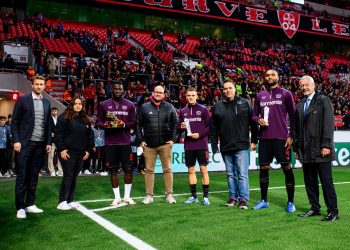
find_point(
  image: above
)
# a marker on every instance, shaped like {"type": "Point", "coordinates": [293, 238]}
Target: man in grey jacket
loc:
{"type": "Point", "coordinates": [314, 147]}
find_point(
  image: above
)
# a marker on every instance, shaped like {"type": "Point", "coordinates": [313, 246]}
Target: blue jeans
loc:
{"type": "Point", "coordinates": [237, 165]}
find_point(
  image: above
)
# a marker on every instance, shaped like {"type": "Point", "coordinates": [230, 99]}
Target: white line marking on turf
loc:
{"type": "Point", "coordinates": [117, 231]}
{"type": "Point", "coordinates": [109, 207]}
{"type": "Point", "coordinates": [211, 192]}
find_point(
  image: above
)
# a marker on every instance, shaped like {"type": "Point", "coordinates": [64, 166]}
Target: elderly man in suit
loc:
{"type": "Point", "coordinates": [31, 131]}
{"type": "Point", "coordinates": [314, 147]}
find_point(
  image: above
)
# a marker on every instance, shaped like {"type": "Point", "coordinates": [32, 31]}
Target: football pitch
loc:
{"type": "Point", "coordinates": [96, 225]}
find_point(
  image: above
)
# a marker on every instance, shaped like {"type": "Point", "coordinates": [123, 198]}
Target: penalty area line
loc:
{"type": "Point", "coordinates": [211, 192]}
{"type": "Point", "coordinates": [114, 229]}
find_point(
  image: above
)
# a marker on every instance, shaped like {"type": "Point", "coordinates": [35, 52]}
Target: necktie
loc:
{"type": "Point", "coordinates": [306, 106]}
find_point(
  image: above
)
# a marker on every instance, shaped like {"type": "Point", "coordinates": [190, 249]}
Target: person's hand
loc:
{"type": "Point", "coordinates": [17, 147]}
{"type": "Point", "coordinates": [214, 149]}
{"type": "Point", "coordinates": [262, 122]}
{"type": "Point", "coordinates": [87, 154]}
{"type": "Point", "coordinates": [194, 136]}
{"type": "Point", "coordinates": [48, 148]}
{"type": "Point", "coordinates": [143, 144]}
{"type": "Point", "coordinates": [296, 155]}
{"type": "Point", "coordinates": [325, 152]}
{"type": "Point", "coordinates": [289, 143]}
{"type": "Point", "coordinates": [252, 146]}
{"type": "Point", "coordinates": [94, 149]}
{"type": "Point", "coordinates": [170, 142]}
{"type": "Point", "coordinates": [183, 125]}
{"type": "Point", "coordinates": [64, 155]}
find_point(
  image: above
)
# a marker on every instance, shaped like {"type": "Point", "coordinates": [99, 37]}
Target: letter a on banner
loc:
{"type": "Point", "coordinates": [289, 22]}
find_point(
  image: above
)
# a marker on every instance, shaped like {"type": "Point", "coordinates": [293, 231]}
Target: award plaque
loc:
{"type": "Point", "coordinates": [266, 115]}
{"type": "Point", "coordinates": [188, 127]}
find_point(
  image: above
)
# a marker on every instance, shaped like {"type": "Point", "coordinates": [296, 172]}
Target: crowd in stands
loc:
{"type": "Point", "coordinates": [218, 59]}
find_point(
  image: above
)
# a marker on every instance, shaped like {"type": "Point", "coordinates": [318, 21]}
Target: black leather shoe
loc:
{"type": "Point", "coordinates": [331, 217]}
{"type": "Point", "coordinates": [310, 213]}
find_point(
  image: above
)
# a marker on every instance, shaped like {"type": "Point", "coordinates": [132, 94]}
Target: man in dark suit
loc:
{"type": "Point", "coordinates": [314, 147]}
{"type": "Point", "coordinates": [31, 131]}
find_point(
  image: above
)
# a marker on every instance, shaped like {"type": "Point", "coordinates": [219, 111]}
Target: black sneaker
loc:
{"type": "Point", "coordinates": [231, 202]}
{"type": "Point", "coordinates": [331, 217]}
{"type": "Point", "coordinates": [243, 204]}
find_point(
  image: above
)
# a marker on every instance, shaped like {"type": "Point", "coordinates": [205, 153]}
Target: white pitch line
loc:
{"type": "Point", "coordinates": [211, 192]}
{"type": "Point", "coordinates": [117, 231]}
{"type": "Point", "coordinates": [109, 207]}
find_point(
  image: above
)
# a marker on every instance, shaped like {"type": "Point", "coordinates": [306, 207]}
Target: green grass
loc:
{"type": "Point", "coordinates": [175, 226]}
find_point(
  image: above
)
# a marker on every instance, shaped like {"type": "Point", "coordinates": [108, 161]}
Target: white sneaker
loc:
{"type": "Point", "coordinates": [147, 200]}
{"type": "Point", "coordinates": [7, 175]}
{"type": "Point", "coordinates": [129, 201]}
{"type": "Point", "coordinates": [73, 205]}
{"type": "Point", "coordinates": [0, 174]}
{"type": "Point", "coordinates": [87, 172]}
{"type": "Point", "coordinates": [59, 174]}
{"type": "Point", "coordinates": [64, 206]}
{"type": "Point", "coordinates": [34, 209]}
{"type": "Point", "coordinates": [170, 199]}
{"type": "Point", "coordinates": [116, 202]}
{"type": "Point", "coordinates": [21, 214]}
{"type": "Point", "coordinates": [53, 174]}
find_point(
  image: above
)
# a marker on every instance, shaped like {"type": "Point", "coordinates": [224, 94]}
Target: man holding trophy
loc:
{"type": "Point", "coordinates": [272, 109]}
{"type": "Point", "coordinates": [194, 119]}
{"type": "Point", "coordinates": [117, 116]}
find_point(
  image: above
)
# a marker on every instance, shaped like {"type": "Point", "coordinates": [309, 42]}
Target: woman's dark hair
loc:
{"type": "Point", "coordinates": [70, 114]}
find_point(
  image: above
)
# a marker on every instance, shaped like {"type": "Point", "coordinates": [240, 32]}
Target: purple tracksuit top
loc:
{"type": "Point", "coordinates": [280, 103]}
{"type": "Point", "coordinates": [198, 116]}
{"type": "Point", "coordinates": [123, 110]}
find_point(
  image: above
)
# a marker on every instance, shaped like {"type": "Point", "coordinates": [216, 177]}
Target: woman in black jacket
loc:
{"type": "Point", "coordinates": [74, 141]}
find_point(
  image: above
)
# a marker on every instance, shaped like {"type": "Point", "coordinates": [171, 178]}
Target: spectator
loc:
{"type": "Point", "coordinates": [89, 95]}
{"type": "Point", "coordinates": [52, 63]}
{"type": "Point", "coordinates": [9, 63]}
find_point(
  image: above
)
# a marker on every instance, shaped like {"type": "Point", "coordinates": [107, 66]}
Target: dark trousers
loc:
{"type": "Point", "coordinates": [4, 160]}
{"type": "Point", "coordinates": [71, 169]}
{"type": "Point", "coordinates": [89, 105]}
{"type": "Point", "coordinates": [324, 171]}
{"type": "Point", "coordinates": [28, 164]}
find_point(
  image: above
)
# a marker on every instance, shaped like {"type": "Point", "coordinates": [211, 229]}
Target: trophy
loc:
{"type": "Point", "coordinates": [113, 121]}
{"type": "Point", "coordinates": [266, 115]}
{"type": "Point", "coordinates": [188, 127]}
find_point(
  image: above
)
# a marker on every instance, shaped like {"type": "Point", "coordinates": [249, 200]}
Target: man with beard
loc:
{"type": "Point", "coordinates": [272, 108]}
{"type": "Point", "coordinates": [117, 116]}
{"type": "Point", "coordinates": [31, 135]}
{"type": "Point", "coordinates": [156, 129]}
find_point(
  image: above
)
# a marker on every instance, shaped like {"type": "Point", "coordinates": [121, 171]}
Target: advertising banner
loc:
{"type": "Point", "coordinates": [290, 22]}
{"type": "Point", "coordinates": [342, 153]}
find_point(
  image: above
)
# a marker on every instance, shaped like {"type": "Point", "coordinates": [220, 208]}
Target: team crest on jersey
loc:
{"type": "Point", "coordinates": [110, 107]}
{"type": "Point", "coordinates": [150, 113]}
{"type": "Point", "coordinates": [263, 97]}
{"type": "Point", "coordinates": [124, 107]}
{"type": "Point", "coordinates": [278, 96]}
{"type": "Point", "coordinates": [185, 114]}
{"type": "Point", "coordinates": [199, 112]}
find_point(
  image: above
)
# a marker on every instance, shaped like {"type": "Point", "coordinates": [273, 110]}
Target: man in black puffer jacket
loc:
{"type": "Point", "coordinates": [157, 122]}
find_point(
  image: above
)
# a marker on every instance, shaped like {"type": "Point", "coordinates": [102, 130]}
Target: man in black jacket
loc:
{"type": "Point", "coordinates": [156, 127]}
{"type": "Point", "coordinates": [313, 146]}
{"type": "Point", "coordinates": [31, 135]}
{"type": "Point", "coordinates": [230, 122]}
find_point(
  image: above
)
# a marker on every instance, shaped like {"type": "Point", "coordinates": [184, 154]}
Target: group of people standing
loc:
{"type": "Point", "coordinates": [233, 128]}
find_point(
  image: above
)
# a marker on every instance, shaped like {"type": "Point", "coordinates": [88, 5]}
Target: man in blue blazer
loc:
{"type": "Point", "coordinates": [31, 131]}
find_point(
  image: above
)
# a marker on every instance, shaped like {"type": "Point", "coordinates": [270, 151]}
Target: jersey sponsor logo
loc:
{"type": "Point", "coordinates": [199, 112]}
{"type": "Point", "coordinates": [124, 107]}
{"type": "Point", "coordinates": [278, 96]}
{"type": "Point", "coordinates": [119, 112]}
{"type": "Point", "coordinates": [271, 103]}
{"type": "Point", "coordinates": [195, 119]}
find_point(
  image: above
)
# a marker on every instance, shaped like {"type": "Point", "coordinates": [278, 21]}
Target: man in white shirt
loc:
{"type": "Point", "coordinates": [51, 166]}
